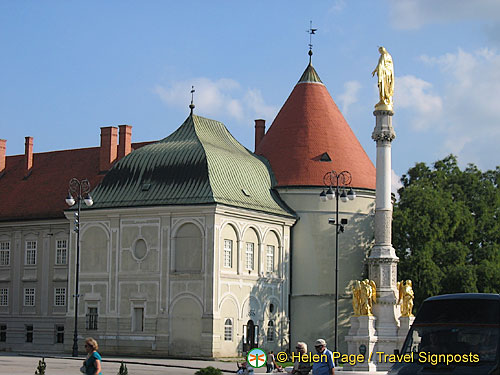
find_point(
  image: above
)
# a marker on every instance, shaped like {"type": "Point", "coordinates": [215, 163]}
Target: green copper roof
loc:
{"type": "Point", "coordinates": [309, 76]}
{"type": "Point", "coordinates": [199, 163]}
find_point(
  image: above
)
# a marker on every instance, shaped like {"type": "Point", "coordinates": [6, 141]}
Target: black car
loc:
{"type": "Point", "coordinates": [454, 334]}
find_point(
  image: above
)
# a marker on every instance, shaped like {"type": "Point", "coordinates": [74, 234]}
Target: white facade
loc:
{"type": "Point", "coordinates": [160, 280]}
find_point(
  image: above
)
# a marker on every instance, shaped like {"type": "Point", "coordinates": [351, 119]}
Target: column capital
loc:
{"type": "Point", "coordinates": [383, 127]}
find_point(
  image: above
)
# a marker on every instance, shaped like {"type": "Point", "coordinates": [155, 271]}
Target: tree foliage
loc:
{"type": "Point", "coordinates": [446, 229]}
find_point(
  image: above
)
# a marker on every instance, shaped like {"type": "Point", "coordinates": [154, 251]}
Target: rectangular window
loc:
{"type": "Point", "coordinates": [59, 334]}
{"type": "Point", "coordinates": [3, 333]}
{"type": "Point", "coordinates": [29, 333]}
{"type": "Point", "coordinates": [30, 253]}
{"type": "Point", "coordinates": [270, 259]}
{"type": "Point", "coordinates": [60, 296]}
{"type": "Point", "coordinates": [29, 296]}
{"type": "Point", "coordinates": [4, 253]}
{"type": "Point", "coordinates": [4, 297]}
{"type": "Point", "coordinates": [138, 325]}
{"type": "Point", "coordinates": [61, 252]}
{"type": "Point", "coordinates": [249, 256]}
{"type": "Point", "coordinates": [92, 319]}
{"type": "Point", "coordinates": [228, 253]}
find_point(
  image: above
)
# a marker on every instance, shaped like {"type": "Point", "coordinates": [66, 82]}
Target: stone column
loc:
{"type": "Point", "coordinates": [383, 260]}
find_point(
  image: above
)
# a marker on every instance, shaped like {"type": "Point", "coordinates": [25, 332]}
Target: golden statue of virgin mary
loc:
{"type": "Point", "coordinates": [385, 73]}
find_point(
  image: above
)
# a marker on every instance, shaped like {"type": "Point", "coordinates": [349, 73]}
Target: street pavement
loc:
{"type": "Point", "coordinates": [13, 364]}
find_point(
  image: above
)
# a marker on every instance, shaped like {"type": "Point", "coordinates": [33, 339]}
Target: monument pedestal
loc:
{"type": "Point", "coordinates": [362, 339]}
{"type": "Point", "coordinates": [405, 323]}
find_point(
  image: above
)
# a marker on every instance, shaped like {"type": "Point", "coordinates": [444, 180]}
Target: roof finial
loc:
{"type": "Point", "coordinates": [192, 98]}
{"type": "Point", "coordinates": [311, 31]}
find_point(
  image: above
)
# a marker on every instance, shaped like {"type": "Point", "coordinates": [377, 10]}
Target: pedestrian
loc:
{"type": "Point", "coordinates": [92, 364]}
{"type": "Point", "coordinates": [270, 361]}
{"type": "Point", "coordinates": [244, 368]}
{"type": "Point", "coordinates": [325, 365]}
{"type": "Point", "coordinates": [300, 366]}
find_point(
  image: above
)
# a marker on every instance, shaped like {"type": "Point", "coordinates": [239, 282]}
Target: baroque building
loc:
{"type": "Point", "coordinates": [195, 246]}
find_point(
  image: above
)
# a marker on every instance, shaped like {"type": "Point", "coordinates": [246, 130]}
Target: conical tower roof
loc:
{"type": "Point", "coordinates": [310, 137]}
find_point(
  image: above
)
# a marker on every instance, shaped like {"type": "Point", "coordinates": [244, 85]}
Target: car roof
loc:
{"type": "Point", "coordinates": [464, 296]}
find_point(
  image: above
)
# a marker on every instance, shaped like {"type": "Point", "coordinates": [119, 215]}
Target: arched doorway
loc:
{"type": "Point", "coordinates": [185, 328]}
{"type": "Point", "coordinates": [251, 336]}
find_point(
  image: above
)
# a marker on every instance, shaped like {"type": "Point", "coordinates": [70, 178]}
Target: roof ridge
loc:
{"type": "Point", "coordinates": [195, 129]}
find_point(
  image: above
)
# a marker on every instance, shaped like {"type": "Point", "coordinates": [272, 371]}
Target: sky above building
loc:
{"type": "Point", "coordinates": [69, 68]}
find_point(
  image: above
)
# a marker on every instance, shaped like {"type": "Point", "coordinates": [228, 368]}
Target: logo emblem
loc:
{"type": "Point", "coordinates": [256, 358]}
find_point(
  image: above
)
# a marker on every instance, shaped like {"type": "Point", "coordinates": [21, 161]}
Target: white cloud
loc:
{"type": "Point", "coordinates": [218, 98]}
{"type": "Point", "coordinates": [211, 97]}
{"type": "Point", "coordinates": [350, 95]}
{"type": "Point", "coordinates": [337, 6]}
{"type": "Point", "coordinates": [416, 94]}
{"type": "Point", "coordinates": [466, 112]}
{"type": "Point", "coordinates": [413, 14]}
{"type": "Point", "coordinates": [472, 97]}
{"type": "Point", "coordinates": [255, 102]}
{"type": "Point", "coordinates": [395, 183]}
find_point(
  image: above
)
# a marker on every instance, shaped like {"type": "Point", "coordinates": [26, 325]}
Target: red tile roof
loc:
{"type": "Point", "coordinates": [42, 194]}
{"type": "Point", "coordinates": [308, 125]}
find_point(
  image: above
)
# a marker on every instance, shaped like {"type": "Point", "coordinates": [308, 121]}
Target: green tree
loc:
{"type": "Point", "coordinates": [446, 229]}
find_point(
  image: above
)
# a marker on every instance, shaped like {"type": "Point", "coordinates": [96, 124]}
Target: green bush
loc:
{"type": "Point", "coordinates": [208, 371]}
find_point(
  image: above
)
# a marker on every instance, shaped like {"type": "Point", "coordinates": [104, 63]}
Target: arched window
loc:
{"type": "Point", "coordinates": [270, 331]}
{"type": "Point", "coordinates": [188, 249]}
{"type": "Point", "coordinates": [228, 330]}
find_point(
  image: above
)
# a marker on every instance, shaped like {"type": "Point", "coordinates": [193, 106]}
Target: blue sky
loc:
{"type": "Point", "coordinates": [70, 67]}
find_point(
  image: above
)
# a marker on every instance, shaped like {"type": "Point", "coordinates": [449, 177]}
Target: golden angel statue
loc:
{"type": "Point", "coordinates": [356, 300]}
{"type": "Point", "coordinates": [367, 296]}
{"type": "Point", "coordinates": [406, 296]}
{"type": "Point", "coordinates": [385, 73]}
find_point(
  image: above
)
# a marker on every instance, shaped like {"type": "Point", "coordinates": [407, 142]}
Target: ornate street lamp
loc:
{"type": "Point", "coordinates": [336, 185]}
{"type": "Point", "coordinates": [80, 189]}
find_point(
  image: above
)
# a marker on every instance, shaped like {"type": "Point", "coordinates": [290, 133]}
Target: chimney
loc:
{"type": "Point", "coordinates": [125, 146]}
{"type": "Point", "coordinates": [260, 131]}
{"type": "Point", "coordinates": [107, 156]}
{"type": "Point", "coordinates": [28, 156]}
{"type": "Point", "coordinates": [2, 155]}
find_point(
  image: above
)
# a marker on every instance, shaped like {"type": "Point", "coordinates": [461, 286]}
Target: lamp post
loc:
{"type": "Point", "coordinates": [81, 190]}
{"type": "Point", "coordinates": [335, 183]}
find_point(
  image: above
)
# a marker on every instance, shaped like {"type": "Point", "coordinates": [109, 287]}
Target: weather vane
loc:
{"type": "Point", "coordinates": [191, 106]}
{"type": "Point", "coordinates": [311, 31]}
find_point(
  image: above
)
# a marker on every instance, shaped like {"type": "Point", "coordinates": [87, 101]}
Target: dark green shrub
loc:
{"type": "Point", "coordinates": [123, 369]}
{"type": "Point", "coordinates": [208, 371]}
{"type": "Point", "coordinates": [40, 370]}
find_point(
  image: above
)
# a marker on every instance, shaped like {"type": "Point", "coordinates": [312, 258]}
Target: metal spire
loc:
{"type": "Point", "coordinates": [191, 106]}
{"type": "Point", "coordinates": [311, 31]}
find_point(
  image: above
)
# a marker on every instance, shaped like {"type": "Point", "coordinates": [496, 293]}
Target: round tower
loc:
{"type": "Point", "coordinates": [309, 138]}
